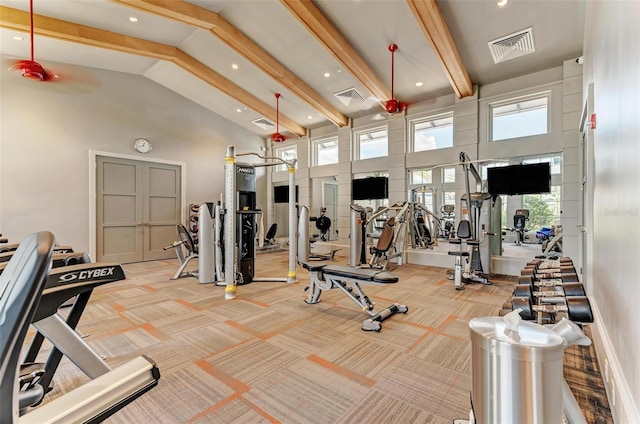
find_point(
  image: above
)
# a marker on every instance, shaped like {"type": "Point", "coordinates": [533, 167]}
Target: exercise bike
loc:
{"type": "Point", "coordinates": [446, 224]}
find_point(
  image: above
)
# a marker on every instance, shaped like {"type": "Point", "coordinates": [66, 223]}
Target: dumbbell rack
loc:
{"type": "Point", "coordinates": [192, 224]}
{"type": "Point", "coordinates": [547, 292]}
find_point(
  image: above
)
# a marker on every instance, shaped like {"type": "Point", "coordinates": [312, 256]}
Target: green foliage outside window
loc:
{"type": "Point", "coordinates": [540, 213]}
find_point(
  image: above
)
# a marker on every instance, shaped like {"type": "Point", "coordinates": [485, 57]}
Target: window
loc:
{"type": "Point", "coordinates": [544, 209]}
{"type": "Point", "coordinates": [371, 144]}
{"type": "Point", "coordinates": [325, 151]}
{"type": "Point", "coordinates": [555, 163]}
{"type": "Point", "coordinates": [449, 198]}
{"type": "Point", "coordinates": [520, 117]}
{"type": "Point", "coordinates": [425, 198]}
{"type": "Point", "coordinates": [287, 153]}
{"type": "Point", "coordinates": [449, 175]}
{"type": "Point", "coordinates": [421, 176]}
{"type": "Point", "coordinates": [432, 133]}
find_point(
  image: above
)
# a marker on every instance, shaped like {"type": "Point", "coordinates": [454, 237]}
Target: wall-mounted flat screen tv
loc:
{"type": "Point", "coordinates": [519, 179]}
{"type": "Point", "coordinates": [281, 194]}
{"type": "Point", "coordinates": [370, 188]}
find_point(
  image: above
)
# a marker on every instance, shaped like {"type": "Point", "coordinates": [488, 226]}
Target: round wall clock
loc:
{"type": "Point", "coordinates": [142, 145]}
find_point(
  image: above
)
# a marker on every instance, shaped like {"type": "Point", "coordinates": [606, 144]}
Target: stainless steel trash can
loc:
{"type": "Point", "coordinates": [519, 379]}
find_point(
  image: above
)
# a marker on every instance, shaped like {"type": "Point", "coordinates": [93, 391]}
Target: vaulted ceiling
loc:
{"type": "Point", "coordinates": [232, 56]}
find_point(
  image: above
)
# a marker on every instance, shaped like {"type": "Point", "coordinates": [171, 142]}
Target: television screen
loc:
{"type": "Point", "coordinates": [370, 188]}
{"type": "Point", "coordinates": [519, 179]}
{"type": "Point", "coordinates": [281, 194]}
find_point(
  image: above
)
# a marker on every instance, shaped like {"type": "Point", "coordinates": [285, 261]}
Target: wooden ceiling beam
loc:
{"type": "Point", "coordinates": [435, 29]}
{"type": "Point", "coordinates": [328, 35]}
{"type": "Point", "coordinates": [19, 20]}
{"type": "Point", "coordinates": [202, 18]}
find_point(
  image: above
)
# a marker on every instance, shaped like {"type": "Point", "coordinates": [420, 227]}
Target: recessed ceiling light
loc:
{"type": "Point", "coordinates": [327, 74]}
{"type": "Point", "coordinates": [133, 19]}
{"type": "Point", "coordinates": [234, 66]}
{"type": "Point", "coordinates": [309, 117]}
{"type": "Point", "coordinates": [502, 3]}
{"type": "Point", "coordinates": [419, 84]}
{"type": "Point", "coordinates": [17, 38]}
{"type": "Point", "coordinates": [238, 110]}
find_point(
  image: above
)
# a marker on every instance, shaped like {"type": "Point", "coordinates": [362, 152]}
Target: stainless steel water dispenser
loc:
{"type": "Point", "coordinates": [517, 373]}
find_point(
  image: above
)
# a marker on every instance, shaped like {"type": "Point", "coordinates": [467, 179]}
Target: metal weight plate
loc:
{"type": "Point", "coordinates": [579, 309]}
{"type": "Point", "coordinates": [526, 279]}
{"type": "Point", "coordinates": [573, 289]}
{"type": "Point", "coordinates": [570, 278]}
{"type": "Point", "coordinates": [523, 303]}
{"type": "Point", "coordinates": [523, 290]}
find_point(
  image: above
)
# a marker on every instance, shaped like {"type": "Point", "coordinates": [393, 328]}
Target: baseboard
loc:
{"type": "Point", "coordinates": [623, 406]}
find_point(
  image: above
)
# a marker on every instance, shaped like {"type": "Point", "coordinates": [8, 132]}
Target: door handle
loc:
{"type": "Point", "coordinates": [583, 229]}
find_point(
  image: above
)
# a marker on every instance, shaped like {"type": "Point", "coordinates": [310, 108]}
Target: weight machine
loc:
{"type": "Point", "coordinates": [391, 243]}
{"type": "Point", "coordinates": [240, 217]}
{"type": "Point", "coordinates": [475, 235]}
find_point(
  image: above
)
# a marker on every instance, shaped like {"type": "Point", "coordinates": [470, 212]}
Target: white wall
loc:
{"type": "Point", "coordinates": [48, 129]}
{"type": "Point", "coordinates": [612, 65]}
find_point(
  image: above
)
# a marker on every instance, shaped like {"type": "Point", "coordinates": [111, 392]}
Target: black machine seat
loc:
{"type": "Point", "coordinates": [363, 274]}
{"type": "Point", "coordinates": [463, 234]}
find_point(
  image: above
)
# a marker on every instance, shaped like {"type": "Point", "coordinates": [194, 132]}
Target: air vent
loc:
{"type": "Point", "coordinates": [263, 123]}
{"type": "Point", "coordinates": [513, 45]}
{"type": "Point", "coordinates": [350, 97]}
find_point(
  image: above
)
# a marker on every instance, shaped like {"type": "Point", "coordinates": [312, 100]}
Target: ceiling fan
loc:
{"type": "Point", "coordinates": [392, 105]}
{"type": "Point", "coordinates": [276, 137]}
{"type": "Point", "coordinates": [31, 69]}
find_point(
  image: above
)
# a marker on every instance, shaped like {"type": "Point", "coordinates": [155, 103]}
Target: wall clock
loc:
{"type": "Point", "coordinates": [142, 145]}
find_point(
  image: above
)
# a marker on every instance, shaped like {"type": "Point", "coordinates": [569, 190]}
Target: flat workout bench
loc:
{"type": "Point", "coordinates": [327, 277]}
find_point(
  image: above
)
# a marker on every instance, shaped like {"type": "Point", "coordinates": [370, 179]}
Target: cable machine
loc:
{"type": "Point", "coordinates": [240, 221]}
{"type": "Point", "coordinates": [478, 216]}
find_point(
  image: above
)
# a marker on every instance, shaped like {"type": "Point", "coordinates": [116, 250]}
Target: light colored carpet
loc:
{"type": "Point", "coordinates": [269, 357]}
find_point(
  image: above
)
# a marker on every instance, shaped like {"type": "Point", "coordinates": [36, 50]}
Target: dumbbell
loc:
{"type": "Point", "coordinates": [553, 263]}
{"type": "Point", "coordinates": [553, 282]}
{"type": "Point", "coordinates": [566, 274]}
{"type": "Point", "coordinates": [566, 290]}
{"type": "Point", "coordinates": [577, 308]}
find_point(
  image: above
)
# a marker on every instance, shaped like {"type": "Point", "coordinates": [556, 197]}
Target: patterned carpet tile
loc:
{"type": "Point", "coordinates": [236, 410]}
{"type": "Point", "coordinates": [166, 309]}
{"type": "Point", "coordinates": [361, 356]}
{"type": "Point", "coordinates": [252, 361]}
{"type": "Point", "coordinates": [305, 393]}
{"type": "Point", "coordinates": [417, 382]}
{"type": "Point", "coordinates": [379, 407]}
{"type": "Point", "coordinates": [456, 404]}
{"type": "Point", "coordinates": [269, 357]}
{"type": "Point", "coordinates": [178, 397]}
{"type": "Point", "coordinates": [447, 352]}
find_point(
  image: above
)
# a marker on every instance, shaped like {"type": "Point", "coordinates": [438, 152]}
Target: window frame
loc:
{"type": "Point", "coordinates": [357, 141]}
{"type": "Point", "coordinates": [516, 101]}
{"type": "Point", "coordinates": [278, 153]}
{"type": "Point", "coordinates": [431, 118]}
{"type": "Point", "coordinates": [315, 149]}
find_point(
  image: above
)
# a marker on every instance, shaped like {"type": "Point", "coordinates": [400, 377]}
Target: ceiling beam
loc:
{"type": "Point", "coordinates": [19, 20]}
{"type": "Point", "coordinates": [430, 19]}
{"type": "Point", "coordinates": [202, 18]}
{"type": "Point", "coordinates": [328, 35]}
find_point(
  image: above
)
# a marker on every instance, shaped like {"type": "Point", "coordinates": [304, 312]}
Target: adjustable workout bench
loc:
{"type": "Point", "coordinates": [327, 277]}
